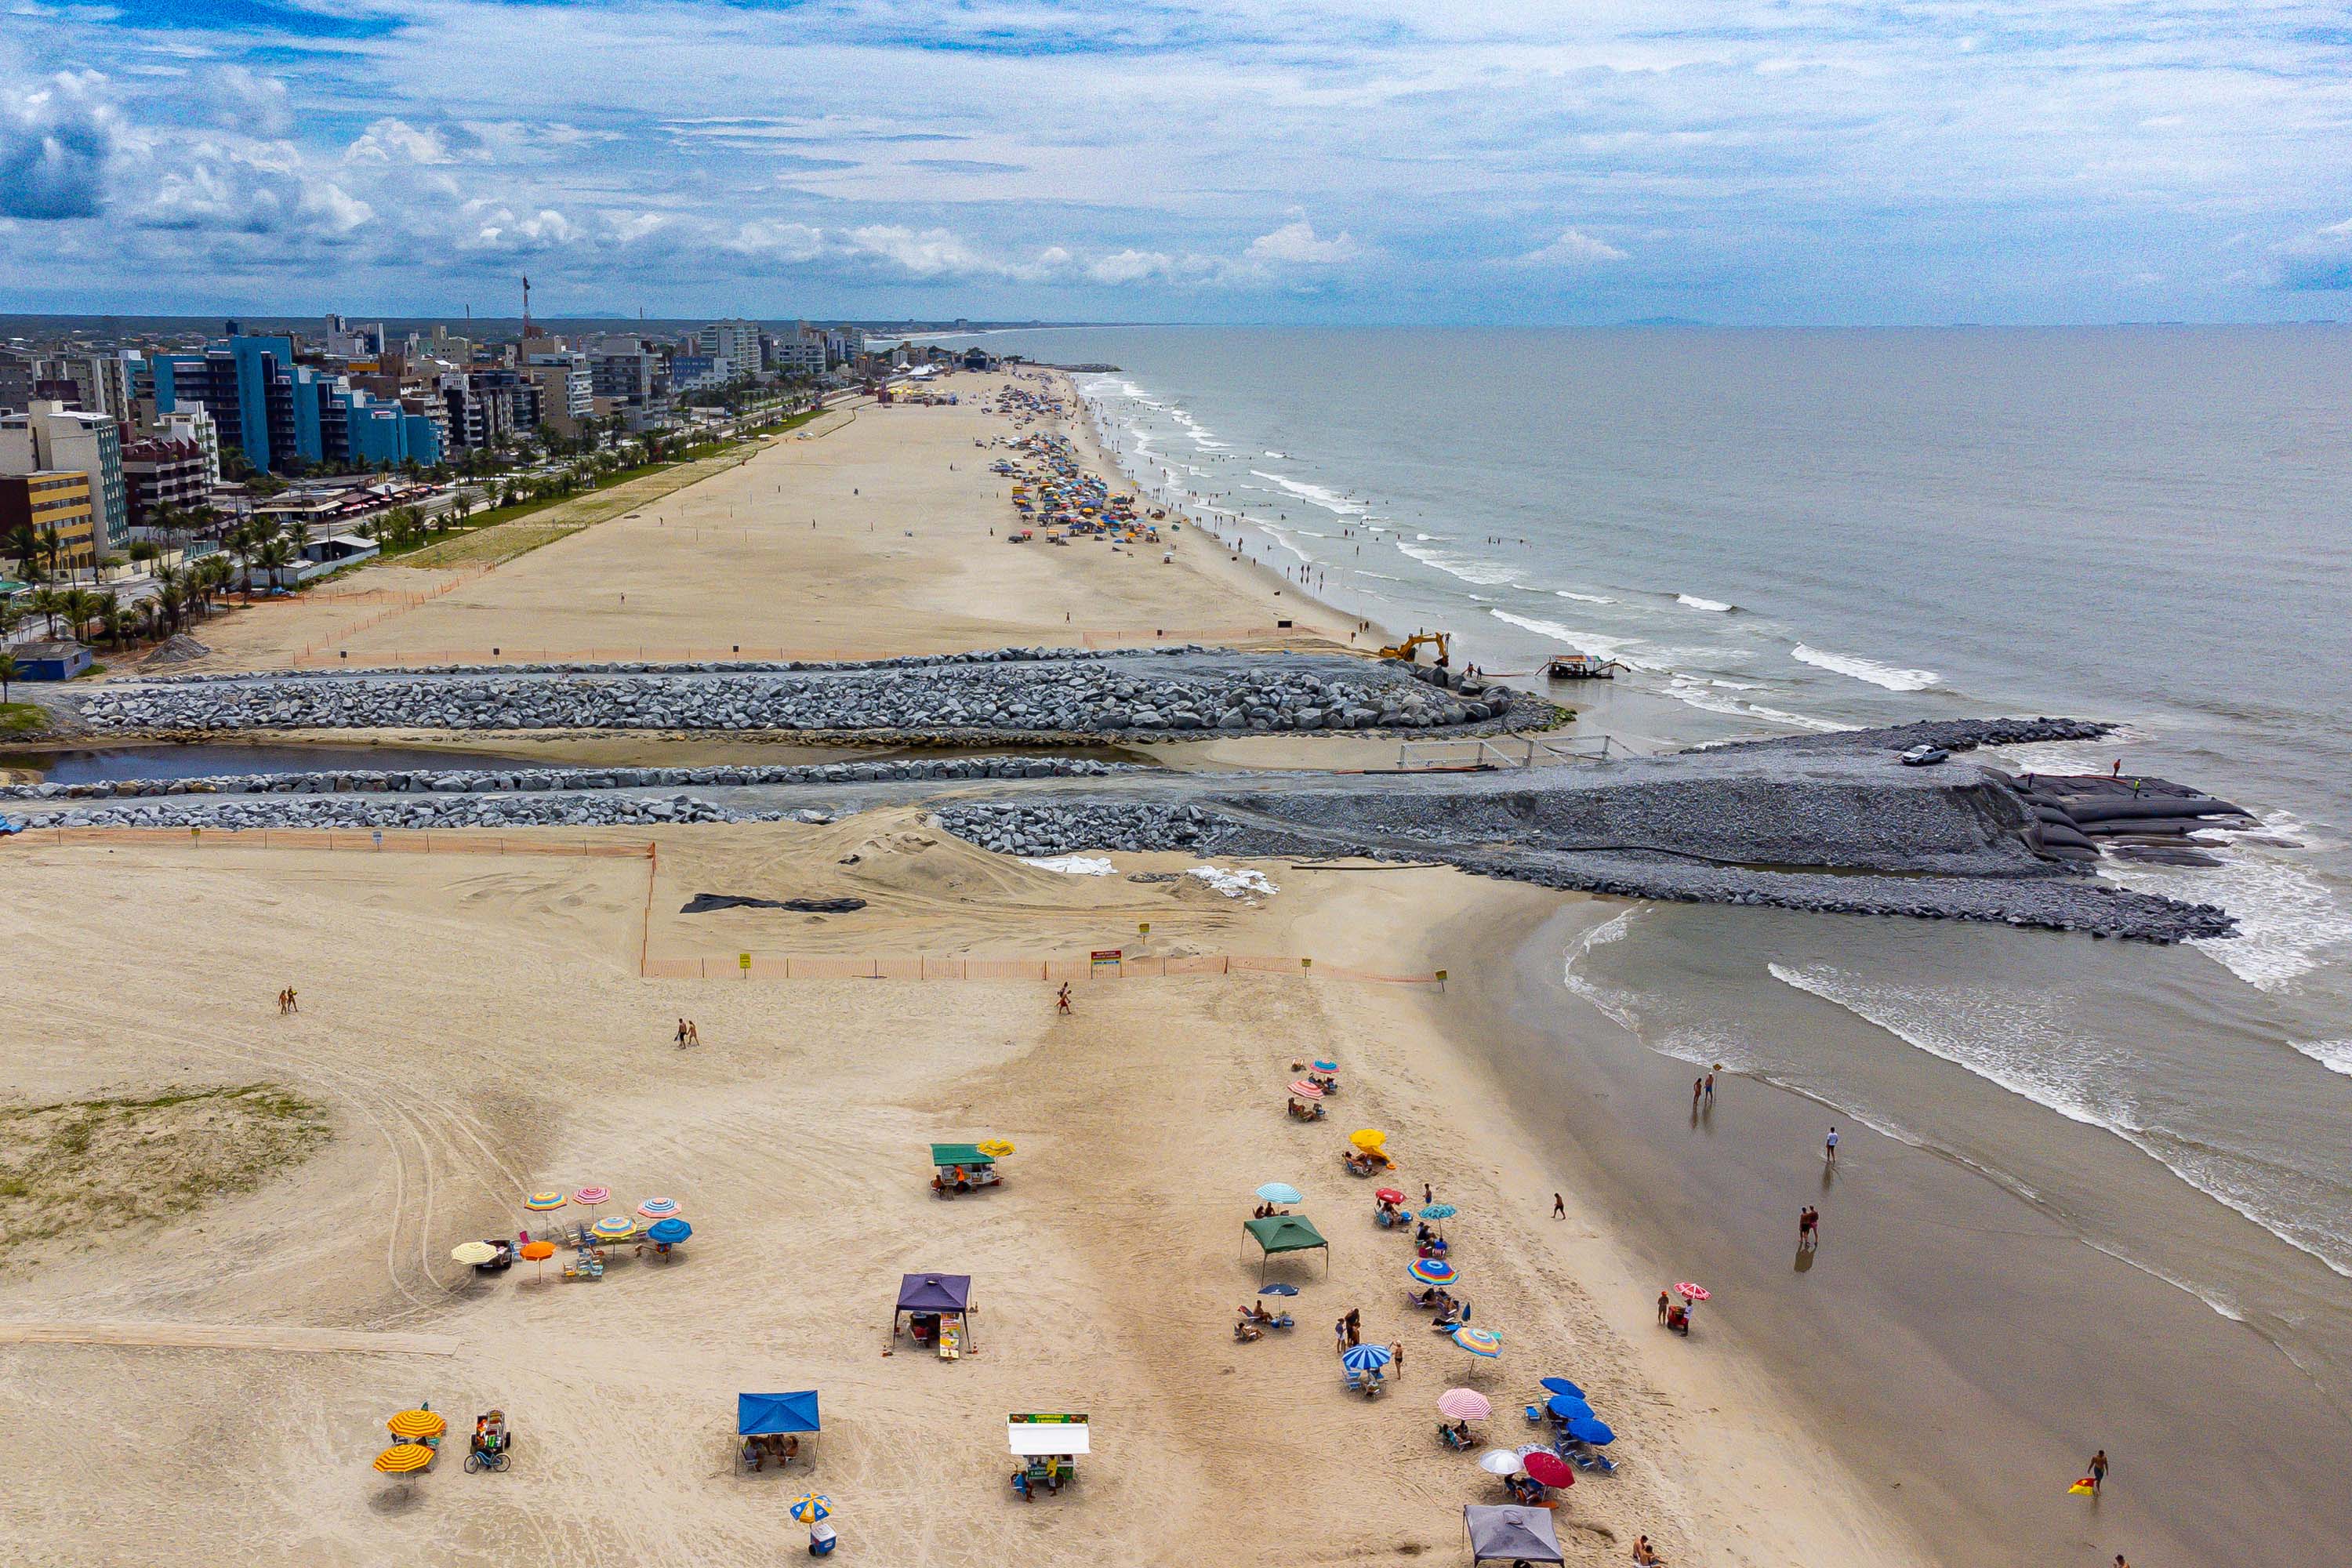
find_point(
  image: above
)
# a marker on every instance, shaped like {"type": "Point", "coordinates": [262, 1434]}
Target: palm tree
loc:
{"type": "Point", "coordinates": [79, 606]}
{"type": "Point", "coordinates": [275, 555]}
{"type": "Point", "coordinates": [25, 546]}
{"type": "Point", "coordinates": [113, 619]}
{"type": "Point", "coordinates": [7, 673]}
{"type": "Point", "coordinates": [169, 601]}
{"type": "Point", "coordinates": [52, 545]}
{"type": "Point", "coordinates": [44, 602]}
{"type": "Point", "coordinates": [244, 546]}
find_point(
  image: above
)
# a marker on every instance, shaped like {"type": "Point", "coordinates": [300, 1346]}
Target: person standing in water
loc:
{"type": "Point", "coordinates": [1830, 1149]}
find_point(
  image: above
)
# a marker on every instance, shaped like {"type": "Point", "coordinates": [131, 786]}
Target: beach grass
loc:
{"type": "Point", "coordinates": [82, 1168]}
{"type": "Point", "coordinates": [23, 718]}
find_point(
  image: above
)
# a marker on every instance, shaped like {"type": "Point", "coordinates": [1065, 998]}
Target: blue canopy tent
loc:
{"type": "Point", "coordinates": [761, 1414]}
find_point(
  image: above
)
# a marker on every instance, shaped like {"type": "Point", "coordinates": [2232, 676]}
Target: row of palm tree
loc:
{"type": "Point", "coordinates": [183, 595]}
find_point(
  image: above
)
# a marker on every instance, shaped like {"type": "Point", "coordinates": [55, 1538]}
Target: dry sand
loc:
{"type": "Point", "coordinates": [478, 1029]}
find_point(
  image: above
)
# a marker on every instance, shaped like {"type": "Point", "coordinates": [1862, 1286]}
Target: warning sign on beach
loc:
{"type": "Point", "coordinates": [1108, 957]}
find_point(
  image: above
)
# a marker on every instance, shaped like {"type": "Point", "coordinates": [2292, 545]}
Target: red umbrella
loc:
{"type": "Point", "coordinates": [1389, 1195]}
{"type": "Point", "coordinates": [1690, 1293]}
{"type": "Point", "coordinates": [1550, 1469]}
{"type": "Point", "coordinates": [1306, 1090]}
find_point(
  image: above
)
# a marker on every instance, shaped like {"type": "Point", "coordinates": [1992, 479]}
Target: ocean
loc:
{"type": "Point", "coordinates": [1777, 531]}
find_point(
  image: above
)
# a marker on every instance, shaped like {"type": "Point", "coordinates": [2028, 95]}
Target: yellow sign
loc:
{"type": "Point", "coordinates": [1306, 963]}
{"type": "Point", "coordinates": [1143, 928]}
{"type": "Point", "coordinates": [743, 961]}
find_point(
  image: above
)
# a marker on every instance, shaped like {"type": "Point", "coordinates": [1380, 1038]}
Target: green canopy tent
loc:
{"type": "Point", "coordinates": [961, 1167]}
{"type": "Point", "coordinates": [1286, 1232]}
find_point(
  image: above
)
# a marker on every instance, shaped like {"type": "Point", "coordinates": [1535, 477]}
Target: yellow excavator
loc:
{"type": "Point", "coordinates": [1407, 649]}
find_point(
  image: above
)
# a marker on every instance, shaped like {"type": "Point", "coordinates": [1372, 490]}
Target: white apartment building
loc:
{"type": "Point", "coordinates": [737, 342]}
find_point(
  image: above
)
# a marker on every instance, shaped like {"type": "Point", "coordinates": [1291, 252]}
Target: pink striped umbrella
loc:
{"type": "Point", "coordinates": [1463, 1405]}
{"type": "Point", "coordinates": [1306, 1090]}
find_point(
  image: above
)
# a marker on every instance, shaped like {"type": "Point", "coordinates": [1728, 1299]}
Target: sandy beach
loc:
{"type": "Point", "coordinates": [476, 1023]}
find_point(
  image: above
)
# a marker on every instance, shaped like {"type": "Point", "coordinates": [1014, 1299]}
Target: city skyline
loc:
{"type": "Point", "coordinates": [1775, 163]}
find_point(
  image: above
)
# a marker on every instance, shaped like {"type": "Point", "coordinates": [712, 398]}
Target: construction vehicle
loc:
{"type": "Point", "coordinates": [1406, 650]}
{"type": "Point", "coordinates": [1583, 666]}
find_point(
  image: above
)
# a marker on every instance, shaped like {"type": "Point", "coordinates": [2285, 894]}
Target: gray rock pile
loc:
{"type": "Point", "coordinates": [1042, 830]}
{"type": "Point", "coordinates": [484, 780]}
{"type": "Point", "coordinates": [1151, 695]}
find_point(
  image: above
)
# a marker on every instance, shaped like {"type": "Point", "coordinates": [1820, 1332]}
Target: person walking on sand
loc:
{"type": "Point", "coordinates": [1830, 1149]}
{"type": "Point", "coordinates": [693, 1033]}
{"type": "Point", "coordinates": [293, 1001]}
{"type": "Point", "coordinates": [1808, 1221]}
{"type": "Point", "coordinates": [1698, 1087]}
{"type": "Point", "coordinates": [2098, 1472]}
{"type": "Point", "coordinates": [1062, 998]}
{"type": "Point", "coordinates": [1355, 1321]}
{"type": "Point", "coordinates": [1427, 1197]}
{"type": "Point", "coordinates": [1396, 1360]}
{"type": "Point", "coordinates": [681, 1034]}
{"type": "Point", "coordinates": [1558, 1206]}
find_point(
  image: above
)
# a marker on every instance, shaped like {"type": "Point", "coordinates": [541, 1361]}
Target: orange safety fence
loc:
{"type": "Point", "coordinates": [827, 966]}
{"type": "Point", "coordinates": [329, 654]}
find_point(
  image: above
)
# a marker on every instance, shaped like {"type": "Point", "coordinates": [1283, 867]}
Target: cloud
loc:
{"type": "Point", "coordinates": [1295, 244]}
{"type": "Point", "coordinates": [231, 186]}
{"type": "Point", "coordinates": [244, 99]}
{"type": "Point", "coordinates": [1128, 266]}
{"type": "Point", "coordinates": [391, 141]}
{"type": "Point", "coordinates": [1573, 249]}
{"type": "Point", "coordinates": [55, 139]}
{"type": "Point", "coordinates": [2320, 262]}
{"type": "Point", "coordinates": [966, 166]}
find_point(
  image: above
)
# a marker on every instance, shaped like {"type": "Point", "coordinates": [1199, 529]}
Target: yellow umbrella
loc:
{"type": "Point", "coordinates": [473, 1252]}
{"type": "Point", "coordinates": [402, 1458]}
{"type": "Point", "coordinates": [995, 1148]}
{"type": "Point", "coordinates": [417, 1424]}
{"type": "Point", "coordinates": [1367, 1138]}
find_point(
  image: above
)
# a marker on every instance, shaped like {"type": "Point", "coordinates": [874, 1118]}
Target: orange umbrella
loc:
{"type": "Point", "coordinates": [403, 1458]}
{"type": "Point", "coordinates": [539, 1252]}
{"type": "Point", "coordinates": [417, 1424]}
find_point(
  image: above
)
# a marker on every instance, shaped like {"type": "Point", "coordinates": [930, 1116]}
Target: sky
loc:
{"type": "Point", "coordinates": [1766, 162]}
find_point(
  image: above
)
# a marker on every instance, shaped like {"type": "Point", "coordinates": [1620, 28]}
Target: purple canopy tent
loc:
{"type": "Point", "coordinates": [937, 1294]}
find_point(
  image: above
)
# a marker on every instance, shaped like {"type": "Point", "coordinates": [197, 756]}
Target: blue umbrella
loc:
{"type": "Point", "coordinates": [669, 1230]}
{"type": "Point", "coordinates": [1279, 1192]}
{"type": "Point", "coordinates": [1568, 1406]}
{"type": "Point", "coordinates": [1277, 1289]}
{"type": "Point", "coordinates": [1561, 1386]}
{"type": "Point", "coordinates": [1327, 1067]}
{"type": "Point", "coordinates": [1438, 1211]}
{"type": "Point", "coordinates": [1590, 1429]}
{"type": "Point", "coordinates": [1364, 1358]}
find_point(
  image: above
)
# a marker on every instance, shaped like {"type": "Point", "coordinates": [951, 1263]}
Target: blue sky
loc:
{"type": "Point", "coordinates": [1797, 161]}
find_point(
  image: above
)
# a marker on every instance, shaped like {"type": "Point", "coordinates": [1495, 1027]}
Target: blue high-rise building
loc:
{"type": "Point", "coordinates": [275, 411]}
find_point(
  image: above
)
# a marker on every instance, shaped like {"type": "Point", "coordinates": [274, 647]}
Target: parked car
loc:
{"type": "Point", "coordinates": [1924, 756]}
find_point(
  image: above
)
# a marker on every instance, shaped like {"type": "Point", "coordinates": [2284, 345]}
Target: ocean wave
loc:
{"type": "Point", "coordinates": [2335, 1056]}
{"type": "Point", "coordinates": [1582, 598]}
{"type": "Point", "coordinates": [1614, 1006]}
{"type": "Point", "coordinates": [1466, 568]}
{"type": "Point", "coordinates": [1282, 455]}
{"type": "Point", "coordinates": [2015, 1043]}
{"type": "Point", "coordinates": [1314, 495]}
{"type": "Point", "coordinates": [1583, 642]}
{"type": "Point", "coordinates": [2289, 922]}
{"type": "Point", "coordinates": [1693, 602]}
{"type": "Point", "coordinates": [1891, 677]}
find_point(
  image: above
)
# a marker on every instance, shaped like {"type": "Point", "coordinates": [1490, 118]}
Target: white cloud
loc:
{"type": "Point", "coordinates": [56, 136]}
{"type": "Point", "coordinates": [391, 141]}
{"type": "Point", "coordinates": [2317, 262]}
{"type": "Point", "coordinates": [1295, 244]}
{"type": "Point", "coordinates": [243, 99]}
{"type": "Point", "coordinates": [1129, 266]}
{"type": "Point", "coordinates": [1574, 248]}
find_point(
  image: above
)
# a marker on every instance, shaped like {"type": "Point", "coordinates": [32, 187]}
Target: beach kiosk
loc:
{"type": "Point", "coordinates": [1504, 1532]}
{"type": "Point", "coordinates": [770, 1426]}
{"type": "Point", "coordinates": [1286, 1232]}
{"type": "Point", "coordinates": [1045, 1448]}
{"type": "Point", "coordinates": [936, 1310]}
{"type": "Point", "coordinates": [963, 1168]}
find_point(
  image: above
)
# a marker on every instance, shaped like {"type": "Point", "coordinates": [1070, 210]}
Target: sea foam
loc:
{"type": "Point", "coordinates": [1890, 677]}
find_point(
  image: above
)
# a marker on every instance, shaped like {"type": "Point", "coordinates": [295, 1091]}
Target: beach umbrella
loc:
{"type": "Point", "coordinates": [1439, 1211]}
{"type": "Point", "coordinates": [1433, 1271]}
{"type": "Point", "coordinates": [1365, 1358]}
{"type": "Point", "coordinates": [1306, 1090]}
{"type": "Point", "coordinates": [417, 1424]}
{"type": "Point", "coordinates": [541, 1203]}
{"type": "Point", "coordinates": [1327, 1067]}
{"type": "Point", "coordinates": [1479, 1342]}
{"type": "Point", "coordinates": [539, 1252]}
{"type": "Point", "coordinates": [403, 1458]}
{"type": "Point", "coordinates": [995, 1148]}
{"type": "Point", "coordinates": [1690, 1293]}
{"type": "Point", "coordinates": [1561, 1386]}
{"type": "Point", "coordinates": [1548, 1467]}
{"type": "Point", "coordinates": [592, 1198]}
{"type": "Point", "coordinates": [1463, 1405]}
{"type": "Point", "coordinates": [1368, 1137]}
{"type": "Point", "coordinates": [671, 1231]}
{"type": "Point", "coordinates": [658, 1208]}
{"type": "Point", "coordinates": [1499, 1462]}
{"type": "Point", "coordinates": [1592, 1430]}
{"type": "Point", "coordinates": [1279, 1287]}
{"type": "Point", "coordinates": [810, 1506]}
{"type": "Point", "coordinates": [1566, 1406]}
{"type": "Point", "coordinates": [1389, 1195]}
{"type": "Point", "coordinates": [473, 1252]}
{"type": "Point", "coordinates": [615, 1227]}
{"type": "Point", "coordinates": [1279, 1192]}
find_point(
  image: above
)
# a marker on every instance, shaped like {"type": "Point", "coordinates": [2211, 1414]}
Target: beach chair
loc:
{"type": "Point", "coordinates": [1535, 1415]}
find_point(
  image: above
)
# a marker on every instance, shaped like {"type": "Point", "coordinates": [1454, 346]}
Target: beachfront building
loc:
{"type": "Point", "coordinates": [42, 501]}
{"type": "Point", "coordinates": [697, 372]}
{"type": "Point", "coordinates": [161, 476]}
{"type": "Point", "coordinates": [50, 437]}
{"type": "Point", "coordinates": [737, 342]}
{"type": "Point", "coordinates": [567, 388]}
{"type": "Point", "coordinates": [283, 415]}
{"type": "Point", "coordinates": [191, 421]}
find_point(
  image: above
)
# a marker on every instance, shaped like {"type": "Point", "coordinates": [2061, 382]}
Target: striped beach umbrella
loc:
{"type": "Point", "coordinates": [615, 1227]}
{"type": "Point", "coordinates": [592, 1198]}
{"type": "Point", "coordinates": [1279, 1192]}
{"type": "Point", "coordinates": [1463, 1405]}
{"type": "Point", "coordinates": [1690, 1293]}
{"type": "Point", "coordinates": [1433, 1271]}
{"type": "Point", "coordinates": [1365, 1358]}
{"type": "Point", "coordinates": [417, 1424]}
{"type": "Point", "coordinates": [403, 1458]}
{"type": "Point", "coordinates": [473, 1252]}
{"type": "Point", "coordinates": [1327, 1067]}
{"type": "Point", "coordinates": [810, 1506]}
{"type": "Point", "coordinates": [658, 1208]}
{"type": "Point", "coordinates": [1306, 1090]}
{"type": "Point", "coordinates": [1479, 1342]}
{"type": "Point", "coordinates": [542, 1203]}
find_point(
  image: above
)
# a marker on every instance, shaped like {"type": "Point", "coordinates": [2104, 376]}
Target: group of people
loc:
{"type": "Point", "coordinates": [288, 1002]}
{"type": "Point", "coordinates": [688, 1035]}
{"type": "Point", "coordinates": [1266, 1211]}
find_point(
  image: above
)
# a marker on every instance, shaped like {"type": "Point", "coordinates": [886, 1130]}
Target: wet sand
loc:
{"type": "Point", "coordinates": [1963, 1351]}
